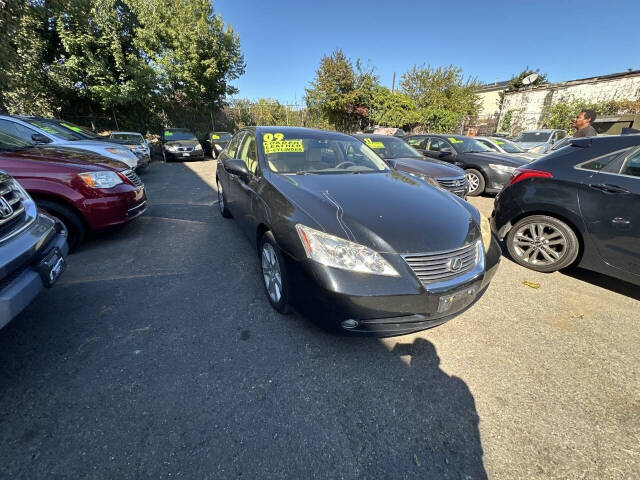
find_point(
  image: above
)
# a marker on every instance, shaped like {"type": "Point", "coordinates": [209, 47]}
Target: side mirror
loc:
{"type": "Point", "coordinates": [40, 138]}
{"type": "Point", "coordinates": [237, 167]}
{"type": "Point", "coordinates": [392, 163]}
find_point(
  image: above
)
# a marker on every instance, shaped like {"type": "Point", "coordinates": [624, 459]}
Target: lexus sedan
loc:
{"type": "Point", "coordinates": [577, 205]}
{"type": "Point", "coordinates": [486, 170]}
{"type": "Point", "coordinates": [349, 241]}
{"type": "Point", "coordinates": [405, 158]}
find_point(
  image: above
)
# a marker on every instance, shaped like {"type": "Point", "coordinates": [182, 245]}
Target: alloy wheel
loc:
{"type": "Point", "coordinates": [271, 273]}
{"type": "Point", "coordinates": [473, 181]}
{"type": "Point", "coordinates": [540, 244]}
{"type": "Point", "coordinates": [220, 197]}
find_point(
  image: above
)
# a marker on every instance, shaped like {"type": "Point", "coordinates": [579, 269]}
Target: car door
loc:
{"type": "Point", "coordinates": [245, 186]}
{"type": "Point", "coordinates": [25, 133]}
{"type": "Point", "coordinates": [610, 206]}
{"type": "Point", "coordinates": [229, 180]}
{"type": "Point", "coordinates": [441, 150]}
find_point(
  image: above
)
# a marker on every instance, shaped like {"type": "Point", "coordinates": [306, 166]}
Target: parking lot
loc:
{"type": "Point", "coordinates": [157, 355]}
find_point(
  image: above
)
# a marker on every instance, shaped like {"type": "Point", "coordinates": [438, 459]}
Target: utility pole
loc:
{"type": "Point", "coordinates": [393, 84]}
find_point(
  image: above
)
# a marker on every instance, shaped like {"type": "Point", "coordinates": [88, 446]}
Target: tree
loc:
{"type": "Point", "coordinates": [561, 114]}
{"type": "Point", "coordinates": [393, 109]}
{"type": "Point", "coordinates": [441, 95]}
{"type": "Point", "coordinates": [516, 82]}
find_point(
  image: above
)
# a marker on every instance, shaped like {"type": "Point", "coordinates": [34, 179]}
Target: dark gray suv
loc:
{"type": "Point", "coordinates": [33, 249]}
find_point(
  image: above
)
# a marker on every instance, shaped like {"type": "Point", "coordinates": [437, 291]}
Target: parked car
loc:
{"type": "Point", "coordinates": [86, 192]}
{"type": "Point", "coordinates": [539, 141]}
{"type": "Point", "coordinates": [216, 142]}
{"type": "Point", "coordinates": [33, 249]}
{"type": "Point", "coordinates": [51, 133]}
{"type": "Point", "coordinates": [502, 145]}
{"type": "Point", "coordinates": [576, 206]}
{"type": "Point", "coordinates": [349, 241]}
{"type": "Point", "coordinates": [179, 144]}
{"type": "Point", "coordinates": [486, 171]}
{"type": "Point", "coordinates": [405, 158]}
{"type": "Point", "coordinates": [136, 143]}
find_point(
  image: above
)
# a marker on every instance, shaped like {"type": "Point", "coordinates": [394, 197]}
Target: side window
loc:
{"type": "Point", "coordinates": [17, 130]}
{"type": "Point", "coordinates": [417, 142]}
{"type": "Point", "coordinates": [437, 145]}
{"type": "Point", "coordinates": [606, 163]}
{"type": "Point", "coordinates": [232, 149]}
{"type": "Point", "coordinates": [632, 165]}
{"type": "Point", "coordinates": [248, 152]}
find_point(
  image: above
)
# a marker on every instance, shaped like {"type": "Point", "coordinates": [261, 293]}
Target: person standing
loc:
{"type": "Point", "coordinates": [583, 124]}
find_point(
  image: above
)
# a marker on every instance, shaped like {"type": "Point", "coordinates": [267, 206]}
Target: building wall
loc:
{"type": "Point", "coordinates": [489, 103]}
{"type": "Point", "coordinates": [529, 103]}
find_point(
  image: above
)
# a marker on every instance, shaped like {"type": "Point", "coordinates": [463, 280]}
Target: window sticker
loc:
{"type": "Point", "coordinates": [215, 137]}
{"type": "Point", "coordinates": [453, 140]}
{"type": "Point", "coordinates": [71, 127]}
{"type": "Point", "coordinates": [167, 133]}
{"type": "Point", "coordinates": [371, 144]}
{"type": "Point", "coordinates": [498, 142]}
{"type": "Point", "coordinates": [275, 143]}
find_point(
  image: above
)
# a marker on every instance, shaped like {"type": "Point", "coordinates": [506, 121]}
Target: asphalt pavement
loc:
{"type": "Point", "coordinates": [157, 355]}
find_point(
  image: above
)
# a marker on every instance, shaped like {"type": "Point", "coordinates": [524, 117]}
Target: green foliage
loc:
{"type": "Point", "coordinates": [506, 121]}
{"type": "Point", "coordinates": [392, 108]}
{"type": "Point", "coordinates": [516, 82]}
{"type": "Point", "coordinates": [561, 114]}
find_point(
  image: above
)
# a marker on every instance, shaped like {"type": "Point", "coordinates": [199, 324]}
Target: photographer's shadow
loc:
{"type": "Point", "coordinates": [442, 421]}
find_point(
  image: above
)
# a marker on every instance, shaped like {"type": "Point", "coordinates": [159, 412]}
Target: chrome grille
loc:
{"type": "Point", "coordinates": [437, 266]}
{"type": "Point", "coordinates": [457, 185]}
{"type": "Point", "coordinates": [133, 177]}
{"type": "Point", "coordinates": [12, 211]}
{"type": "Point", "coordinates": [185, 149]}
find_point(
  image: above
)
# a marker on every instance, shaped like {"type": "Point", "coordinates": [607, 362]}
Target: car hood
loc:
{"type": "Point", "coordinates": [65, 157]}
{"type": "Point", "coordinates": [388, 212]}
{"type": "Point", "coordinates": [501, 158]}
{"type": "Point", "coordinates": [430, 168]}
{"type": "Point", "coordinates": [183, 143]}
{"type": "Point", "coordinates": [94, 144]}
{"type": "Point", "coordinates": [530, 145]}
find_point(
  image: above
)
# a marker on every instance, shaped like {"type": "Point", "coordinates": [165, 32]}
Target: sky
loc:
{"type": "Point", "coordinates": [284, 41]}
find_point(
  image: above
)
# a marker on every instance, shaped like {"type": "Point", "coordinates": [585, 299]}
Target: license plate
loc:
{"type": "Point", "coordinates": [186, 154]}
{"type": "Point", "coordinates": [461, 298]}
{"type": "Point", "coordinates": [51, 267]}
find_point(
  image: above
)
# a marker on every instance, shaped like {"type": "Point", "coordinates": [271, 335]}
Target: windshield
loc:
{"type": "Point", "coordinates": [532, 137]}
{"type": "Point", "coordinates": [468, 145]}
{"type": "Point", "coordinates": [221, 136]}
{"type": "Point", "coordinates": [11, 143]}
{"type": "Point", "coordinates": [489, 143]}
{"type": "Point", "coordinates": [313, 154]}
{"type": "Point", "coordinates": [391, 147]}
{"type": "Point", "coordinates": [128, 137]}
{"type": "Point", "coordinates": [85, 132]}
{"type": "Point", "coordinates": [507, 145]}
{"type": "Point", "coordinates": [55, 129]}
{"type": "Point", "coordinates": [171, 135]}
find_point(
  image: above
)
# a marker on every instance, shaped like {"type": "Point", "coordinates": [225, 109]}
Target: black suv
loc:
{"type": "Point", "coordinates": [33, 247]}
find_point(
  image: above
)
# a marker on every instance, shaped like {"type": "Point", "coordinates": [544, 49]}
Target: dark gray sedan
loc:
{"type": "Point", "coordinates": [349, 241]}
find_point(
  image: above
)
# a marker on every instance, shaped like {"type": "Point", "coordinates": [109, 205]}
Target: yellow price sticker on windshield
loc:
{"type": "Point", "coordinates": [71, 127]}
{"type": "Point", "coordinates": [453, 140]}
{"type": "Point", "coordinates": [371, 144]}
{"type": "Point", "coordinates": [167, 133]}
{"type": "Point", "coordinates": [498, 142]}
{"type": "Point", "coordinates": [282, 146]}
{"type": "Point", "coordinates": [215, 137]}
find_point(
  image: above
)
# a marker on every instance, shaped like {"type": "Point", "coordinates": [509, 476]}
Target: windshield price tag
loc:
{"type": "Point", "coordinates": [371, 144]}
{"type": "Point", "coordinates": [215, 137]}
{"type": "Point", "coordinates": [275, 143]}
{"type": "Point", "coordinates": [453, 140]}
{"type": "Point", "coordinates": [71, 127]}
{"type": "Point", "coordinates": [167, 133]}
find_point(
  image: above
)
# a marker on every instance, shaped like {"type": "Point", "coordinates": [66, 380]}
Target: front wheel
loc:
{"type": "Point", "coordinates": [475, 182]}
{"type": "Point", "coordinates": [543, 243]}
{"type": "Point", "coordinates": [222, 202]}
{"type": "Point", "coordinates": [274, 274]}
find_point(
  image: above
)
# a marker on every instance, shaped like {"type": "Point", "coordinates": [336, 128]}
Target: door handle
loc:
{"type": "Point", "coordinates": [608, 188]}
{"type": "Point", "coordinates": [620, 221]}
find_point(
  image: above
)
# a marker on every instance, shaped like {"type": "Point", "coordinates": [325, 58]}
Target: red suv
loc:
{"type": "Point", "coordinates": [86, 192]}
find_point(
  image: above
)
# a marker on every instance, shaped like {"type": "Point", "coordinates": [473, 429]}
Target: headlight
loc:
{"type": "Point", "coordinates": [340, 253]}
{"type": "Point", "coordinates": [198, 147]}
{"type": "Point", "coordinates": [430, 180]}
{"type": "Point", "coordinates": [537, 149]}
{"type": "Point", "coordinates": [104, 179]}
{"type": "Point", "coordinates": [485, 230]}
{"type": "Point", "coordinates": [171, 148]}
{"type": "Point", "coordinates": [501, 168]}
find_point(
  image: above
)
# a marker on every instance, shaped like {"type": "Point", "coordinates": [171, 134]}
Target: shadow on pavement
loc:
{"type": "Point", "coordinates": [158, 355]}
{"type": "Point", "coordinates": [603, 281]}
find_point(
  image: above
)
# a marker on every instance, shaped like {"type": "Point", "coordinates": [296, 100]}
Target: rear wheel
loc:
{"type": "Point", "coordinates": [475, 182]}
{"type": "Point", "coordinates": [543, 243]}
{"type": "Point", "coordinates": [73, 222]}
{"type": "Point", "coordinates": [274, 274]}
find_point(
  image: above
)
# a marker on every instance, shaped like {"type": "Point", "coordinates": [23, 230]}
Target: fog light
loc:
{"type": "Point", "coordinates": [349, 324]}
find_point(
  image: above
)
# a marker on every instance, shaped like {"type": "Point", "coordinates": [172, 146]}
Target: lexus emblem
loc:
{"type": "Point", "coordinates": [455, 264]}
{"type": "Point", "coordinates": [6, 210]}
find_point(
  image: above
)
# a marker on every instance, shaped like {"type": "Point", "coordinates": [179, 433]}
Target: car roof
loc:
{"type": "Point", "coordinates": [300, 131]}
{"type": "Point", "coordinates": [378, 136]}
{"type": "Point", "coordinates": [126, 133]}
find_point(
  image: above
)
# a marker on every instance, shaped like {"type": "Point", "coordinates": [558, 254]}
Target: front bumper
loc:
{"type": "Point", "coordinates": [381, 306]}
{"type": "Point", "coordinates": [184, 156]}
{"type": "Point", "coordinates": [119, 206]}
{"type": "Point", "coordinates": [23, 282]}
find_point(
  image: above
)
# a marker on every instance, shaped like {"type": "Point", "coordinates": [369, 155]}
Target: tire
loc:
{"type": "Point", "coordinates": [222, 201]}
{"type": "Point", "coordinates": [274, 274]}
{"type": "Point", "coordinates": [76, 229]}
{"type": "Point", "coordinates": [476, 178]}
{"type": "Point", "coordinates": [542, 243]}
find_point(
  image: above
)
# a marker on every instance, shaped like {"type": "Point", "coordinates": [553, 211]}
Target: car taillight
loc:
{"type": "Point", "coordinates": [524, 173]}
